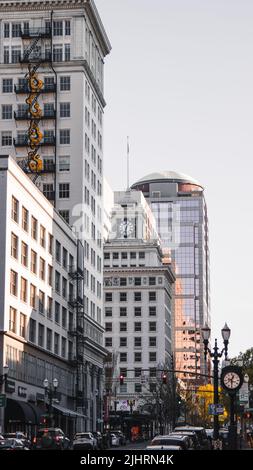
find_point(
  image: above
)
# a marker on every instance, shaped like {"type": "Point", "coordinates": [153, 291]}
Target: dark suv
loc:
{"type": "Point", "coordinates": [50, 438]}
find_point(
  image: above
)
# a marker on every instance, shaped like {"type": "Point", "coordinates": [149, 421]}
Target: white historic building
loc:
{"type": "Point", "coordinates": [138, 301]}
{"type": "Point", "coordinates": [51, 120]}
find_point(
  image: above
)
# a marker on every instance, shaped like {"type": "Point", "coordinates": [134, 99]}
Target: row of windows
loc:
{"type": "Point", "coordinates": [138, 387]}
{"type": "Point", "coordinates": [136, 281]}
{"type": "Point", "coordinates": [137, 326]}
{"type": "Point", "coordinates": [64, 83]}
{"type": "Point", "coordinates": [38, 233]}
{"type": "Point", "coordinates": [123, 356]}
{"type": "Point", "coordinates": [124, 255]}
{"type": "Point", "coordinates": [123, 311]}
{"type": "Point", "coordinates": [124, 296]}
{"type": "Point", "coordinates": [61, 53]}
{"type": "Point", "coordinates": [48, 135]}
{"type": "Point", "coordinates": [123, 341]}
{"type": "Point", "coordinates": [15, 30]}
{"type": "Point", "coordinates": [49, 110]}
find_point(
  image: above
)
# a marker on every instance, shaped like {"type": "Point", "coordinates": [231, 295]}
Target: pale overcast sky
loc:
{"type": "Point", "coordinates": [179, 82]}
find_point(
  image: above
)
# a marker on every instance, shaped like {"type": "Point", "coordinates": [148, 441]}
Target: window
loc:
{"type": "Point", "coordinates": [123, 296]}
{"type": "Point", "coordinates": [24, 219]}
{"type": "Point", "coordinates": [34, 228]}
{"type": "Point", "coordinates": [152, 356]}
{"type": "Point", "coordinates": [7, 85]}
{"type": "Point", "coordinates": [67, 28]}
{"type": "Point", "coordinates": [123, 326]}
{"type": "Point", "coordinates": [32, 330]}
{"type": "Point", "coordinates": [123, 341]}
{"type": "Point", "coordinates": [137, 296]}
{"type": "Point", "coordinates": [33, 262]}
{"type": "Point", "coordinates": [152, 311]}
{"type": "Point", "coordinates": [137, 281]}
{"type": "Point", "coordinates": [123, 281]}
{"type": "Point", "coordinates": [123, 357]}
{"type": "Point", "coordinates": [123, 311]}
{"type": "Point", "coordinates": [6, 139]}
{"type": "Point", "coordinates": [13, 283]}
{"type": "Point", "coordinates": [14, 245]}
{"type": "Point", "coordinates": [6, 30]}
{"type": "Point", "coordinates": [137, 357]}
{"type": "Point", "coordinates": [64, 163]}
{"type": "Point", "coordinates": [64, 190]}
{"type": "Point", "coordinates": [152, 281]}
{"type": "Point", "coordinates": [141, 255]}
{"type": "Point", "coordinates": [50, 275]}
{"type": "Point", "coordinates": [24, 254]}
{"type": "Point", "coordinates": [108, 342]}
{"type": "Point", "coordinates": [48, 109]}
{"type": "Point", "coordinates": [137, 342]}
{"type": "Point", "coordinates": [49, 308]}
{"type": "Point", "coordinates": [67, 52]}
{"type": "Point", "coordinates": [48, 191]}
{"type": "Point", "coordinates": [108, 311]}
{"type": "Point", "coordinates": [42, 236]}
{"type": "Point", "coordinates": [42, 269]}
{"type": "Point", "coordinates": [132, 255]}
{"type": "Point", "coordinates": [57, 53]}
{"type": "Point", "coordinates": [41, 335]}
{"type": "Point", "coordinates": [50, 243]}
{"type": "Point", "coordinates": [64, 317]}
{"type": "Point", "coordinates": [13, 320]}
{"type": "Point", "coordinates": [63, 347]}
{"type": "Point", "coordinates": [32, 296]}
{"type": "Point", "coordinates": [108, 326]}
{"type": "Point", "coordinates": [64, 288]}
{"type": "Point", "coordinates": [152, 326]}
{"type": "Point", "coordinates": [64, 136]}
{"type": "Point", "coordinates": [15, 54]}
{"type": "Point", "coordinates": [22, 325]}
{"type": "Point", "coordinates": [108, 296]}
{"type": "Point", "coordinates": [14, 209]}
{"type": "Point", "coordinates": [64, 110]}
{"type": "Point", "coordinates": [137, 311]}
{"type": "Point", "coordinates": [137, 388]}
{"type": "Point", "coordinates": [57, 28]}
{"type": "Point", "coordinates": [6, 111]}
{"type": "Point", "coordinates": [65, 83]}
{"type": "Point", "coordinates": [56, 343]}
{"type": "Point", "coordinates": [6, 55]}
{"type": "Point", "coordinates": [65, 215]}
{"type": "Point", "coordinates": [152, 341]}
{"type": "Point", "coordinates": [23, 291]}
{"type": "Point", "coordinates": [16, 30]}
{"type": "Point", "coordinates": [124, 255]}
{"type": "Point", "coordinates": [41, 302]}
{"type": "Point", "coordinates": [57, 251]}
{"type": "Point", "coordinates": [49, 339]}
{"type": "Point", "coordinates": [152, 296]}
{"type": "Point", "coordinates": [137, 326]}
{"type": "Point", "coordinates": [57, 312]}
{"type": "Point", "coordinates": [137, 372]}
{"type": "Point", "coordinates": [57, 282]}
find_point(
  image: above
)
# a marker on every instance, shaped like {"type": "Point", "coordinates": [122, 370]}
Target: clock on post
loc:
{"type": "Point", "coordinates": [231, 378]}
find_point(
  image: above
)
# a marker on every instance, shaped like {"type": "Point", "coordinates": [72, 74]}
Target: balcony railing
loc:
{"type": "Point", "coordinates": [23, 88]}
{"type": "Point", "coordinates": [36, 58]}
{"type": "Point", "coordinates": [24, 141]}
{"type": "Point", "coordinates": [24, 115]}
{"type": "Point", "coordinates": [36, 33]}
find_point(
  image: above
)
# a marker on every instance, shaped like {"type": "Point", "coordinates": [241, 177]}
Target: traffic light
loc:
{"type": "Point", "coordinates": [121, 379]}
{"type": "Point", "coordinates": [164, 378]}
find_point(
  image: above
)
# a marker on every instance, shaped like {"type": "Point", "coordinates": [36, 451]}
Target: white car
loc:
{"type": "Point", "coordinates": [84, 440]}
{"type": "Point", "coordinates": [114, 440]}
{"type": "Point", "coordinates": [164, 447]}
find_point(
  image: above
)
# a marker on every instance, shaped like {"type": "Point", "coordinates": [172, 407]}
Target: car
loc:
{"type": "Point", "coordinates": [12, 444]}
{"type": "Point", "coordinates": [201, 433]}
{"type": "Point", "coordinates": [18, 435]}
{"type": "Point", "coordinates": [164, 447]}
{"type": "Point", "coordinates": [50, 439]}
{"type": "Point", "coordinates": [194, 441]}
{"type": "Point", "coordinates": [171, 440]}
{"type": "Point", "coordinates": [84, 440]}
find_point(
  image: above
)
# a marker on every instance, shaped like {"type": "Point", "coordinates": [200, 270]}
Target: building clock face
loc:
{"type": "Point", "coordinates": [126, 228]}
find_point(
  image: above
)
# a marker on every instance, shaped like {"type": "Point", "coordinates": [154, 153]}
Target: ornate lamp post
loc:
{"type": "Point", "coordinates": [216, 356]}
{"type": "Point", "coordinates": [50, 394]}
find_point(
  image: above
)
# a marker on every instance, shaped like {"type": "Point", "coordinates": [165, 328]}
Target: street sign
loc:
{"type": "Point", "coordinates": [215, 409]}
{"type": "Point", "coordinates": [2, 400]}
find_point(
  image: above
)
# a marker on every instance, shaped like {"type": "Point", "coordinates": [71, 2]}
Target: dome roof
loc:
{"type": "Point", "coordinates": [172, 176]}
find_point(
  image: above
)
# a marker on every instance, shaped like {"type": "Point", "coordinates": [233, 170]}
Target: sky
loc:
{"type": "Point", "coordinates": [179, 83]}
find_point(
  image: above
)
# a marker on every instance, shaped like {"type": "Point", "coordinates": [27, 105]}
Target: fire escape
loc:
{"type": "Point", "coordinates": [37, 55]}
{"type": "Point", "coordinates": [76, 329]}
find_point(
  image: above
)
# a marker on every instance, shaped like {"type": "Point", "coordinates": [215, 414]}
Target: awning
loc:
{"type": "Point", "coordinates": [19, 412]}
{"type": "Point", "coordinates": [67, 412]}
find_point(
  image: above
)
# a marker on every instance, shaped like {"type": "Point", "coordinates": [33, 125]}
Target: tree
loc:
{"type": "Point", "coordinates": [204, 398]}
{"type": "Point", "coordinates": [247, 363]}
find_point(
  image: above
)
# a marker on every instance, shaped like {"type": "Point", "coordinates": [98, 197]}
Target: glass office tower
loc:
{"type": "Point", "coordinates": [179, 206]}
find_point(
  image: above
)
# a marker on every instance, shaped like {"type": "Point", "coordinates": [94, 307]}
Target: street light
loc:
{"type": "Point", "coordinates": [3, 380]}
{"type": "Point", "coordinates": [216, 355]}
{"type": "Point", "coordinates": [50, 393]}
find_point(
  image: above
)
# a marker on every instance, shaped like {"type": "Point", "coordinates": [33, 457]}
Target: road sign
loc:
{"type": "Point", "coordinates": [2, 400]}
{"type": "Point", "coordinates": [215, 409]}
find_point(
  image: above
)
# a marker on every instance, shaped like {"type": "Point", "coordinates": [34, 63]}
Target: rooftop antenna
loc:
{"type": "Point", "coordinates": [127, 163]}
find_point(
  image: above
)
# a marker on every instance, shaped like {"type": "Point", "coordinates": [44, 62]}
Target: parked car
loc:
{"type": "Point", "coordinates": [19, 435]}
{"type": "Point", "coordinates": [194, 441]}
{"type": "Point", "coordinates": [12, 444]}
{"type": "Point", "coordinates": [84, 440]}
{"type": "Point", "coordinates": [171, 440]}
{"type": "Point", "coordinates": [201, 433]}
{"type": "Point", "coordinates": [50, 438]}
